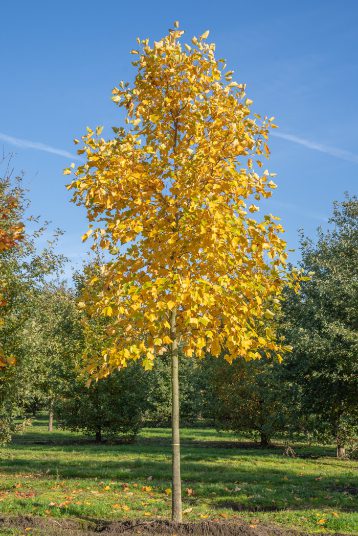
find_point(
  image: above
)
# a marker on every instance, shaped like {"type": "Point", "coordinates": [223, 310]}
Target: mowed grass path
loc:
{"type": "Point", "coordinates": [57, 475]}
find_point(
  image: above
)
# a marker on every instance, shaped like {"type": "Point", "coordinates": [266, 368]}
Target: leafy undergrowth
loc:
{"type": "Point", "coordinates": [59, 476]}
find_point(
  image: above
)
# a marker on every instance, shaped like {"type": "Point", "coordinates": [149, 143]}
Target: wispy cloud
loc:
{"type": "Point", "coordinates": [37, 146]}
{"type": "Point", "coordinates": [332, 151]}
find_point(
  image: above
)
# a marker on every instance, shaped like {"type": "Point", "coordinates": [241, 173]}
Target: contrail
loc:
{"type": "Point", "coordinates": [38, 146]}
{"type": "Point", "coordinates": [333, 151]}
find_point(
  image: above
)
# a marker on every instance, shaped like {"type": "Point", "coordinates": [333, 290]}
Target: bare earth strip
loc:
{"type": "Point", "coordinates": [51, 527]}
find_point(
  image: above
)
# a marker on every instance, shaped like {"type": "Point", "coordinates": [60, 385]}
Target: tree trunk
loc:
{"type": "Point", "coordinates": [264, 439]}
{"type": "Point", "coordinates": [341, 451]}
{"type": "Point", "coordinates": [176, 479]}
{"type": "Point", "coordinates": [50, 417]}
{"type": "Point", "coordinates": [98, 436]}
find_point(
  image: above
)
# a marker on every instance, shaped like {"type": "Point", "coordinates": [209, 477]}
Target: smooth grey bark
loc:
{"type": "Point", "coordinates": [176, 478]}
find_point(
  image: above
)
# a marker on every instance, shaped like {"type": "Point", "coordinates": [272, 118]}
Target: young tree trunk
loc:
{"type": "Point", "coordinates": [50, 417]}
{"type": "Point", "coordinates": [176, 479]}
{"type": "Point", "coordinates": [341, 451]}
{"type": "Point", "coordinates": [264, 439]}
{"type": "Point", "coordinates": [98, 436]}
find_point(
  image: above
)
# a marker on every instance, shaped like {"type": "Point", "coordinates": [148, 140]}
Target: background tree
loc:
{"type": "Point", "coordinates": [11, 233]}
{"type": "Point", "coordinates": [24, 271]}
{"type": "Point", "coordinates": [53, 344]}
{"type": "Point", "coordinates": [248, 397]}
{"type": "Point", "coordinates": [171, 200]}
{"type": "Point", "coordinates": [321, 324]}
{"type": "Point", "coordinates": [110, 408]}
{"type": "Point", "coordinates": [192, 392]}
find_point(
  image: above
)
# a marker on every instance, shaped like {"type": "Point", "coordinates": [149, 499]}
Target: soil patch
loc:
{"type": "Point", "coordinates": [86, 527]}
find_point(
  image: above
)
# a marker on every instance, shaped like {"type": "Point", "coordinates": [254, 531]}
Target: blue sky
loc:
{"type": "Point", "coordinates": [61, 60]}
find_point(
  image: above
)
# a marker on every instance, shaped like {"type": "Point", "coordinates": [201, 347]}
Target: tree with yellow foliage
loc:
{"type": "Point", "coordinates": [171, 197]}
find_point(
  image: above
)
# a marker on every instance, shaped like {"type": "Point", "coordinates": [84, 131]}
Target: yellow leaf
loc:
{"type": "Point", "coordinates": [173, 216]}
{"type": "Point", "coordinates": [87, 235]}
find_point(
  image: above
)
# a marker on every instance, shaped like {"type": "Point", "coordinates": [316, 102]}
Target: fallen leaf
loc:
{"type": "Point", "coordinates": [189, 492]}
{"type": "Point", "coordinates": [187, 511]}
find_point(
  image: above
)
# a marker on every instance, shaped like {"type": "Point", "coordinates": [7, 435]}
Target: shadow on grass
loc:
{"type": "Point", "coordinates": [248, 479]}
{"type": "Point", "coordinates": [236, 484]}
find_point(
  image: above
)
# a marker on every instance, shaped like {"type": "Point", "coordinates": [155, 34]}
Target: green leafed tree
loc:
{"type": "Point", "coordinates": [247, 397]}
{"type": "Point", "coordinates": [25, 270]}
{"type": "Point", "coordinates": [112, 408]}
{"type": "Point", "coordinates": [321, 324]}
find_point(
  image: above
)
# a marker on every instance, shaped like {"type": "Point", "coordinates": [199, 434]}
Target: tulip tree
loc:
{"type": "Point", "coordinates": [171, 196]}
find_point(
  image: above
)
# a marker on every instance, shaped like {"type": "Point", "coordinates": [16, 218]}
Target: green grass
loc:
{"type": "Point", "coordinates": [60, 475]}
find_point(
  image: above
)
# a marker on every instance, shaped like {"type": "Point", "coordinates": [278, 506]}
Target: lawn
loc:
{"type": "Point", "coordinates": [61, 475]}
